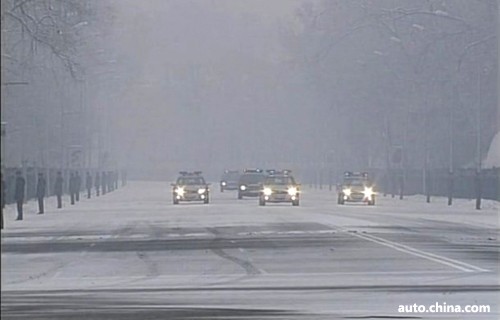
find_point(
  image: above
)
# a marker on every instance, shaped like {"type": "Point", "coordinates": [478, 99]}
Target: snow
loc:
{"type": "Point", "coordinates": [235, 253]}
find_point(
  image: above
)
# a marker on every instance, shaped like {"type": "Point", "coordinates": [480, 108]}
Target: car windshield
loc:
{"type": "Point", "coordinates": [355, 182]}
{"type": "Point", "coordinates": [252, 178]}
{"type": "Point", "coordinates": [231, 176]}
{"type": "Point", "coordinates": [280, 181]}
{"type": "Point", "coordinates": [190, 181]}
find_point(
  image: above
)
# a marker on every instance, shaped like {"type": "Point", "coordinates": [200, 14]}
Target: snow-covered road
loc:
{"type": "Point", "coordinates": [132, 254]}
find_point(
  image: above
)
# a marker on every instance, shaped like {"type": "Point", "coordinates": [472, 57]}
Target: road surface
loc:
{"type": "Point", "coordinates": [131, 254]}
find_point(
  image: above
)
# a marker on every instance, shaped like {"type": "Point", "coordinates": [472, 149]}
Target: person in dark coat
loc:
{"type": "Point", "coordinates": [72, 187]}
{"type": "Point", "coordinates": [58, 189]}
{"type": "Point", "coordinates": [78, 186]}
{"type": "Point", "coordinates": [109, 180]}
{"type": "Point", "coordinates": [88, 184]}
{"type": "Point", "coordinates": [41, 187]}
{"type": "Point", "coordinates": [116, 179]}
{"type": "Point", "coordinates": [97, 183]}
{"type": "Point", "coordinates": [123, 175]}
{"type": "Point", "coordinates": [19, 194]}
{"type": "Point", "coordinates": [3, 201]}
{"type": "Point", "coordinates": [103, 182]}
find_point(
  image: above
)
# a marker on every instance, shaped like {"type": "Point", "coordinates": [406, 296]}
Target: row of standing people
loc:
{"type": "Point", "coordinates": [103, 182]}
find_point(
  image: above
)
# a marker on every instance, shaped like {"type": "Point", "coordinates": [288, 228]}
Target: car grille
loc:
{"type": "Point", "coordinates": [280, 192]}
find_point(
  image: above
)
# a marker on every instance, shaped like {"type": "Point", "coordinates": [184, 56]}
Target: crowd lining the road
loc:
{"type": "Point", "coordinates": [103, 182]}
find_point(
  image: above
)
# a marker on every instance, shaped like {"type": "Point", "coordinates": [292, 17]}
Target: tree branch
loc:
{"type": "Point", "coordinates": [471, 46]}
{"type": "Point", "coordinates": [64, 58]}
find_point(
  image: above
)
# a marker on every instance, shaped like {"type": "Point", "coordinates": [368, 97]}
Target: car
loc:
{"type": "Point", "coordinates": [280, 186]}
{"type": "Point", "coordinates": [356, 187]}
{"type": "Point", "coordinates": [250, 183]}
{"type": "Point", "coordinates": [229, 180]}
{"type": "Point", "coordinates": [190, 186]}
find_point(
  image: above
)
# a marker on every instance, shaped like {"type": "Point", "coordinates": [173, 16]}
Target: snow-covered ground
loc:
{"type": "Point", "coordinates": [154, 196]}
{"type": "Point", "coordinates": [134, 247]}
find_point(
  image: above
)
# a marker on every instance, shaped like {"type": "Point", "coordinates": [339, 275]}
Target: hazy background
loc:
{"type": "Point", "coordinates": [158, 86]}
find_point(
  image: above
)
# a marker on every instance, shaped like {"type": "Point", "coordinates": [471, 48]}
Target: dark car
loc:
{"type": "Point", "coordinates": [250, 183]}
{"type": "Point", "coordinates": [229, 180]}
{"type": "Point", "coordinates": [190, 186]}
{"type": "Point", "coordinates": [356, 187]}
{"type": "Point", "coordinates": [280, 186]}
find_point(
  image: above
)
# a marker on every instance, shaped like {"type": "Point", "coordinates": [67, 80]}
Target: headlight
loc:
{"type": "Point", "coordinates": [243, 188]}
{"type": "Point", "coordinates": [267, 191]}
{"type": "Point", "coordinates": [292, 191]}
{"type": "Point", "coordinates": [202, 191]}
{"type": "Point", "coordinates": [223, 183]}
{"type": "Point", "coordinates": [179, 191]}
{"type": "Point", "coordinates": [368, 192]}
{"type": "Point", "coordinates": [347, 192]}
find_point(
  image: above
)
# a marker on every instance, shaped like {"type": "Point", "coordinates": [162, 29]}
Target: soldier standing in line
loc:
{"type": "Point", "coordinates": [111, 185]}
{"type": "Point", "coordinates": [124, 177]}
{"type": "Point", "coordinates": [88, 184]}
{"type": "Point", "coordinates": [58, 189]}
{"type": "Point", "coordinates": [72, 186]}
{"type": "Point", "coordinates": [41, 187]}
{"type": "Point", "coordinates": [110, 180]}
{"type": "Point", "coordinates": [116, 179]}
{"type": "Point", "coordinates": [97, 183]}
{"type": "Point", "coordinates": [103, 182]}
{"type": "Point", "coordinates": [78, 186]}
{"type": "Point", "coordinates": [19, 194]}
{"type": "Point", "coordinates": [3, 201]}
{"type": "Point", "coordinates": [108, 185]}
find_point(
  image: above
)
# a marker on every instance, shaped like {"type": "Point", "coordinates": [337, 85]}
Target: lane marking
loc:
{"type": "Point", "coordinates": [197, 234]}
{"type": "Point", "coordinates": [462, 266]}
{"type": "Point", "coordinates": [286, 232]}
{"type": "Point", "coordinates": [148, 236]}
{"type": "Point", "coordinates": [266, 274]}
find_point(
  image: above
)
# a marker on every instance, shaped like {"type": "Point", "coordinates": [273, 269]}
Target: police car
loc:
{"type": "Point", "coordinates": [250, 183]}
{"type": "Point", "coordinates": [190, 186]}
{"type": "Point", "coordinates": [279, 186]}
{"type": "Point", "coordinates": [229, 180]}
{"type": "Point", "coordinates": [356, 187]}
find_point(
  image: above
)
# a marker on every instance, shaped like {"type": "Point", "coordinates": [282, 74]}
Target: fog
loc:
{"type": "Point", "coordinates": [207, 87]}
{"type": "Point", "coordinates": [159, 86]}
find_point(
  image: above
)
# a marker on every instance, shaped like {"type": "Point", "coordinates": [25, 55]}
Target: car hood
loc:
{"type": "Point", "coordinates": [279, 186]}
{"type": "Point", "coordinates": [192, 187]}
{"type": "Point", "coordinates": [355, 188]}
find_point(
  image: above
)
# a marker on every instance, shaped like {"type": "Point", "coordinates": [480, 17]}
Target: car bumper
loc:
{"type": "Point", "coordinates": [280, 198]}
{"type": "Point", "coordinates": [356, 197]}
{"type": "Point", "coordinates": [191, 197]}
